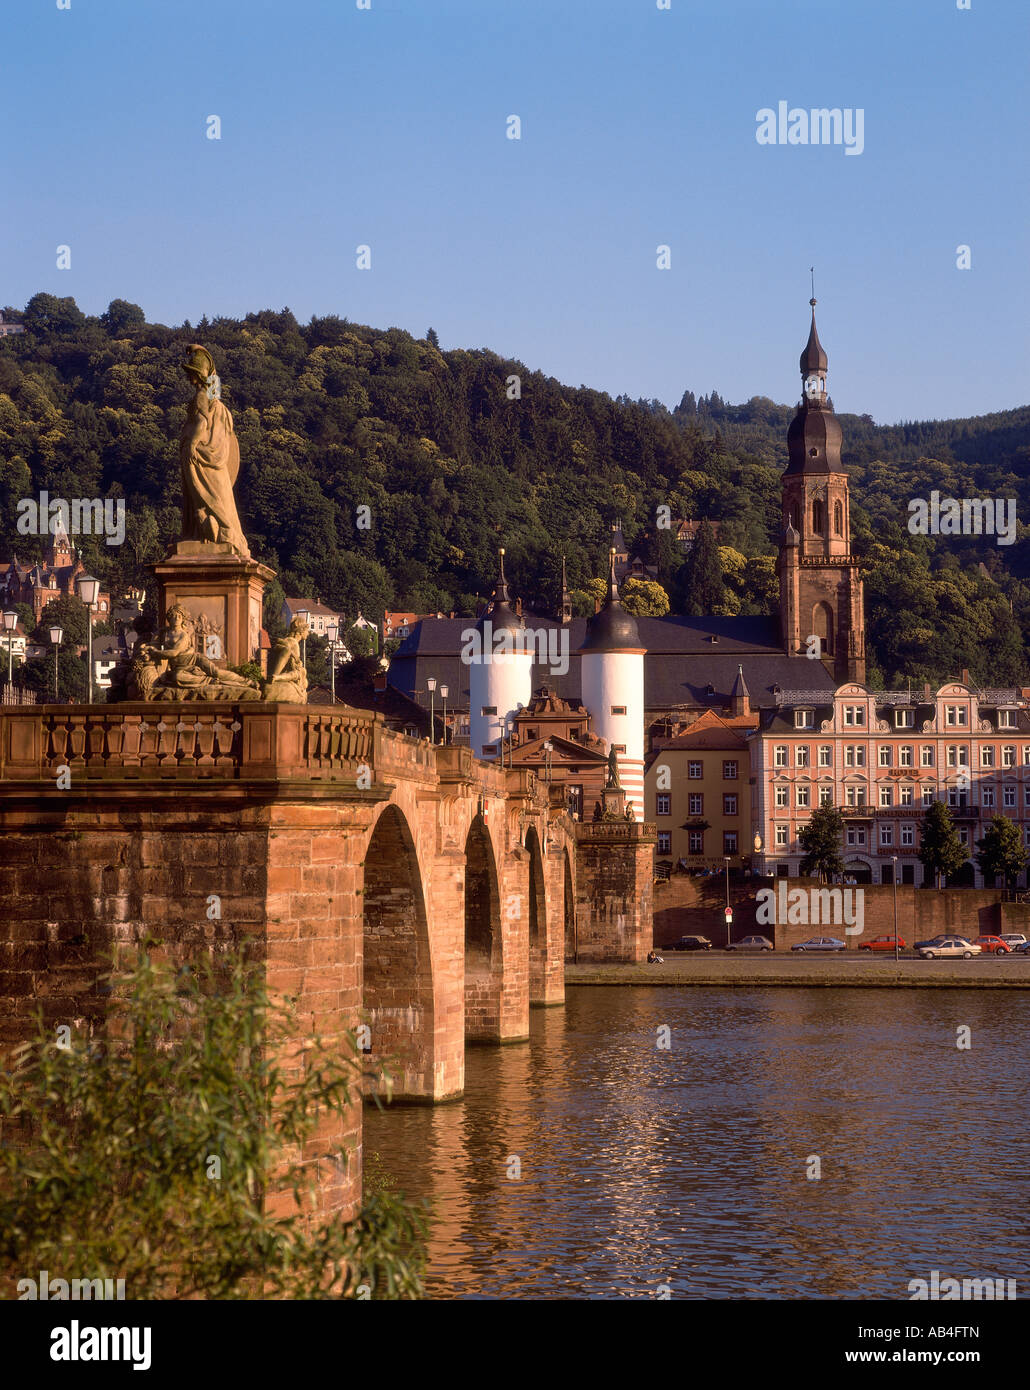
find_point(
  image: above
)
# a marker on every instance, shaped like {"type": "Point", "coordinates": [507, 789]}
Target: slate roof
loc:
{"type": "Point", "coordinates": [680, 664]}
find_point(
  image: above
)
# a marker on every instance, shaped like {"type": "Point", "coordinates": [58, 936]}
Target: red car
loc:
{"type": "Point", "coordinates": [882, 943]}
{"type": "Point", "coordinates": [993, 945]}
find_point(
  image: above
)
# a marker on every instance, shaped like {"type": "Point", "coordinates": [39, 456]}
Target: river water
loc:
{"type": "Point", "coordinates": [687, 1166]}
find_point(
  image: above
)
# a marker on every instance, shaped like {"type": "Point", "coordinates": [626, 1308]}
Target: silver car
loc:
{"type": "Point", "coordinates": [821, 943]}
{"type": "Point", "coordinates": [945, 946]}
{"type": "Point", "coordinates": [750, 943]}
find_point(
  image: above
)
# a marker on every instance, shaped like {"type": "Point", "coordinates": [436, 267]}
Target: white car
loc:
{"type": "Point", "coordinates": [1014, 940]}
{"type": "Point", "coordinates": [943, 946]}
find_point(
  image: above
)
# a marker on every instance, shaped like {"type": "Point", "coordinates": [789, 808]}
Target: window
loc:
{"type": "Point", "coordinates": [885, 755]}
{"type": "Point", "coordinates": [488, 749]}
{"type": "Point", "coordinates": [908, 836]}
{"type": "Point", "coordinates": [928, 796]}
{"type": "Point", "coordinates": [854, 755]}
{"type": "Point", "coordinates": [955, 716]}
{"type": "Point", "coordinates": [1006, 719]}
{"type": "Point", "coordinates": [886, 836]}
{"type": "Point", "coordinates": [825, 755]}
{"type": "Point", "coordinates": [780, 755]}
{"type": "Point", "coordinates": [838, 519]}
{"type": "Point", "coordinates": [781, 796]}
{"type": "Point", "coordinates": [804, 719]}
{"type": "Point", "coordinates": [802, 798]}
{"type": "Point", "coordinates": [963, 836]}
{"type": "Point", "coordinates": [987, 756]}
{"type": "Point", "coordinates": [817, 516]}
{"type": "Point", "coordinates": [886, 796]}
{"type": "Point", "coordinates": [958, 755]}
{"type": "Point", "coordinates": [729, 842]}
{"type": "Point", "coordinates": [905, 796]}
{"type": "Point", "coordinates": [1026, 754]}
{"type": "Point", "coordinates": [855, 835]}
{"type": "Point", "coordinates": [987, 796]}
{"type": "Point", "coordinates": [1008, 756]}
{"type": "Point", "coordinates": [618, 709]}
{"type": "Point", "coordinates": [957, 796]}
{"type": "Point", "coordinates": [825, 796]}
{"type": "Point", "coordinates": [905, 755]}
{"type": "Point", "coordinates": [729, 770]}
{"type": "Point", "coordinates": [854, 796]}
{"type": "Point", "coordinates": [854, 715]}
{"type": "Point", "coordinates": [926, 755]}
{"type": "Point", "coordinates": [1008, 798]}
{"type": "Point", "coordinates": [729, 805]}
{"type": "Point", "coordinates": [1026, 796]}
{"type": "Point", "coordinates": [696, 804]}
{"type": "Point", "coordinates": [695, 771]}
{"type": "Point", "coordinates": [488, 709]}
{"type": "Point", "coordinates": [801, 755]}
{"type": "Point", "coordinates": [696, 841]}
{"type": "Point", "coordinates": [664, 842]}
{"type": "Point", "coordinates": [781, 837]}
{"type": "Point", "coordinates": [904, 718]}
{"type": "Point", "coordinates": [663, 804]}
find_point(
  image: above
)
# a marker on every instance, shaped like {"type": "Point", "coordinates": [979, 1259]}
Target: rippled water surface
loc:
{"type": "Point", "coordinates": [642, 1166]}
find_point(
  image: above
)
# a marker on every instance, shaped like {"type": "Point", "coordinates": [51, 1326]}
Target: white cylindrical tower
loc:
{"type": "Point", "coordinates": [612, 686]}
{"type": "Point", "coordinates": [500, 662]}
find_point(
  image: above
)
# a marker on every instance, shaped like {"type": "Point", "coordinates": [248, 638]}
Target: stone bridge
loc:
{"type": "Point", "coordinates": [428, 894]}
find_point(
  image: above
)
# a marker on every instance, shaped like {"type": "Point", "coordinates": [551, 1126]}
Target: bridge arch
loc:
{"type": "Point", "coordinates": [483, 942]}
{"type": "Point", "coordinates": [569, 907]}
{"type": "Point", "coordinates": [397, 973]}
{"type": "Point", "coordinates": [537, 912]}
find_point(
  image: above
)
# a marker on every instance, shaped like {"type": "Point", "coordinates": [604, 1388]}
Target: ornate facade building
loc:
{"type": "Point", "coordinates": [37, 584]}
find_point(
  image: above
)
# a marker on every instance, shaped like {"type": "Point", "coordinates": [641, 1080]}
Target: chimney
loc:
{"type": "Point", "coordinates": [965, 675]}
{"type": "Point", "coordinates": [927, 697]}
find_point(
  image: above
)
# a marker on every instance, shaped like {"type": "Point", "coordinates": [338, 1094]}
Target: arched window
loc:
{"type": "Point", "coordinates": [838, 518]}
{"type": "Point", "coordinates": [817, 517]}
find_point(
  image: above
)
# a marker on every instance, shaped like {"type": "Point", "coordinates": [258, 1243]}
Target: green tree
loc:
{"type": "Point", "coordinates": [37, 673]}
{"type": "Point", "coordinates": [149, 1151]}
{"type": "Point", "coordinates": [122, 317]}
{"type": "Point", "coordinates": [699, 580]}
{"type": "Point", "coordinates": [821, 839]}
{"type": "Point", "coordinates": [432, 339]}
{"type": "Point", "coordinates": [940, 850]}
{"type": "Point", "coordinates": [1001, 851]}
{"type": "Point", "coordinates": [70, 613]}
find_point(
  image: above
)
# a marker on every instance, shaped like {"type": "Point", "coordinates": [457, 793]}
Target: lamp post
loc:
{"type": "Point", "coordinates": [56, 637]}
{"type": "Point", "coordinates": [726, 861]}
{"type": "Point", "coordinates": [548, 750]}
{"type": "Point", "coordinates": [88, 590]}
{"type": "Point", "coordinates": [431, 687]}
{"type": "Point", "coordinates": [332, 628]}
{"type": "Point", "coordinates": [894, 876]}
{"type": "Point", "coordinates": [10, 623]}
{"type": "Point", "coordinates": [444, 692]}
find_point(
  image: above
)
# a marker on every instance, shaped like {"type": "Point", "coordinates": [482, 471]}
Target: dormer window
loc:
{"type": "Point", "coordinates": [904, 718]}
{"type": "Point", "coordinates": [1006, 719]}
{"type": "Point", "coordinates": [713, 639]}
{"type": "Point", "coordinates": [804, 719]}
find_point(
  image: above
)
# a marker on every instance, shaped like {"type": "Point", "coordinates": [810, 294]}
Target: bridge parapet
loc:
{"type": "Point", "coordinates": [609, 830]}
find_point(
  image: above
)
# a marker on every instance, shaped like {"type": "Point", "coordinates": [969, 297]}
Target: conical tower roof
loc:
{"type": "Point", "coordinates": [500, 612]}
{"type": "Point", "coordinates": [612, 629]}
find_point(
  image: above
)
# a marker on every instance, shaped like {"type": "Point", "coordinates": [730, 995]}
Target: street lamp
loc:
{"type": "Point", "coordinates": [548, 750]}
{"type": "Point", "coordinates": [332, 627]}
{"type": "Point", "coordinates": [726, 861]}
{"type": "Point", "coordinates": [431, 687]}
{"type": "Point", "coordinates": [56, 637]}
{"type": "Point", "coordinates": [10, 623]}
{"type": "Point", "coordinates": [88, 590]}
{"type": "Point", "coordinates": [444, 692]}
{"type": "Point", "coordinates": [894, 875]}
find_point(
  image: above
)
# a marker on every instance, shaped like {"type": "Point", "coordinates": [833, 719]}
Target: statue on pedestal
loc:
{"type": "Point", "coordinates": [613, 770]}
{"type": "Point", "coordinates": [177, 671]}
{"type": "Point", "coordinates": [287, 679]}
{"type": "Point", "coordinates": [209, 456]}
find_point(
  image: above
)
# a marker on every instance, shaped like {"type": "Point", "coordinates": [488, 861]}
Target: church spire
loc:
{"type": "Point", "coordinates": [565, 602]}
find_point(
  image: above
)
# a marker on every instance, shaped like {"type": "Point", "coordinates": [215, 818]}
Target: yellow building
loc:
{"type": "Point", "coordinates": [697, 789]}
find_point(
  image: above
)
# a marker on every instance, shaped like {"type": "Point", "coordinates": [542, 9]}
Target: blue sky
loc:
{"type": "Point", "coordinates": [386, 127]}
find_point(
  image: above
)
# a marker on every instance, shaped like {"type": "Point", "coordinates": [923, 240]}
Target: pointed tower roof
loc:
{"type": "Point", "coordinates": [814, 358]}
{"type": "Point", "coordinates": [612, 629]}
{"type": "Point", "coordinates": [500, 612]}
{"type": "Point", "coordinates": [740, 690]}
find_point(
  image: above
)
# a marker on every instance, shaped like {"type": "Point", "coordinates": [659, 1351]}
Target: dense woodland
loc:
{"type": "Point", "coordinates": [335, 417]}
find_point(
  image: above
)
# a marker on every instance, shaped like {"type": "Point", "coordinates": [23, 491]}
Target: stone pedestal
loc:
{"type": "Point", "coordinates": [222, 593]}
{"type": "Point", "coordinates": [613, 800]}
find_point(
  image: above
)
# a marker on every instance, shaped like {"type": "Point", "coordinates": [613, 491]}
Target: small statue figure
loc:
{"type": "Point", "coordinates": [179, 672]}
{"type": "Point", "coordinates": [287, 679]}
{"type": "Point", "coordinates": [629, 811]}
{"type": "Point", "coordinates": [597, 810]}
{"type": "Point", "coordinates": [209, 457]}
{"type": "Point", "coordinates": [613, 771]}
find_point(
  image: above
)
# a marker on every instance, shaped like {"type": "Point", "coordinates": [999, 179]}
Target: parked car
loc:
{"type": "Point", "coordinates": [821, 943]}
{"type": "Point", "coordinates": [1014, 940]}
{"type": "Point", "coordinates": [993, 945]}
{"type": "Point", "coordinates": [1023, 950]}
{"type": "Point", "coordinates": [692, 943]}
{"type": "Point", "coordinates": [946, 946]}
{"type": "Point", "coordinates": [750, 943]}
{"type": "Point", "coordinates": [882, 943]}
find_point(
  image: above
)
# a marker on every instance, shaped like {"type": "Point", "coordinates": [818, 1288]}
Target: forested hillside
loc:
{"type": "Point", "coordinates": [334, 417]}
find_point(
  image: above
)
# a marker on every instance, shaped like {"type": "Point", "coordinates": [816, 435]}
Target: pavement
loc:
{"type": "Point", "coordinates": [780, 969]}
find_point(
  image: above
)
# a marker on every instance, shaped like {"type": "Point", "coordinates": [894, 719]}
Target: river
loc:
{"type": "Point", "coordinates": [640, 1166]}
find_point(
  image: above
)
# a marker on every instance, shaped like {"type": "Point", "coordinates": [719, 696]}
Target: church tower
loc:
{"type": "Point", "coordinates": [500, 663]}
{"type": "Point", "coordinates": [820, 591]}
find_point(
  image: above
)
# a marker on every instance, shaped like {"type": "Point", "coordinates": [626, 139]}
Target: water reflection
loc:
{"type": "Point", "coordinates": [687, 1166]}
